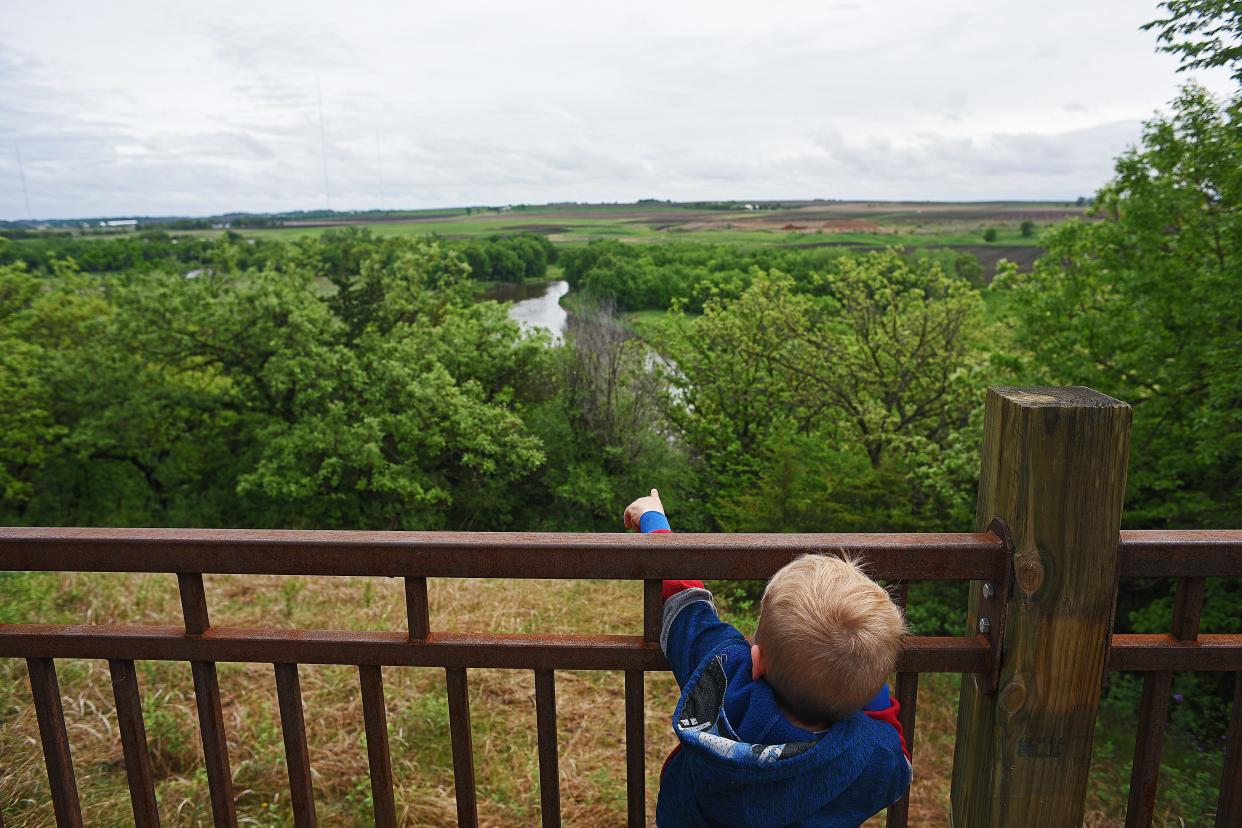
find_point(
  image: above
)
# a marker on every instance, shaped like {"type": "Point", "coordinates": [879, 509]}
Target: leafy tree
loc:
{"type": "Point", "coordinates": [1027, 228]}
{"type": "Point", "coordinates": [884, 365]}
{"type": "Point", "coordinates": [507, 265]}
{"type": "Point", "coordinates": [1205, 33]}
{"type": "Point", "coordinates": [967, 267]}
{"type": "Point", "coordinates": [899, 360]}
{"type": "Point", "coordinates": [1146, 306]}
{"type": "Point", "coordinates": [40, 320]}
{"type": "Point", "coordinates": [989, 235]}
{"type": "Point", "coordinates": [854, 410]}
{"type": "Point", "coordinates": [357, 385]}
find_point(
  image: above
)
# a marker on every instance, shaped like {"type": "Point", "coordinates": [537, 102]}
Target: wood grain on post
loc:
{"type": "Point", "coordinates": [1054, 469]}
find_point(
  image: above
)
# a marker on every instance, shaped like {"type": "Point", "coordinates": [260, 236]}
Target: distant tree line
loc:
{"type": "Point", "coordinates": [637, 277]}
{"type": "Point", "coordinates": [512, 258]}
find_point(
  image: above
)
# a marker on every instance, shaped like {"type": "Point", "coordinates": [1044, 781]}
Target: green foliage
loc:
{"type": "Point", "coordinates": [509, 258]}
{"type": "Point", "coordinates": [851, 410]}
{"type": "Point", "coordinates": [1145, 306]}
{"type": "Point", "coordinates": [1205, 33]}
{"type": "Point", "coordinates": [45, 326]}
{"type": "Point", "coordinates": [354, 385]}
{"type": "Point", "coordinates": [1027, 228]}
{"type": "Point", "coordinates": [989, 235]}
{"type": "Point", "coordinates": [25, 597]}
{"type": "Point", "coordinates": [149, 250]}
{"type": "Point", "coordinates": [657, 276]}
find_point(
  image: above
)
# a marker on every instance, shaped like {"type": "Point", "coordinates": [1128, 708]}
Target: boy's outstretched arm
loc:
{"type": "Point", "coordinates": [647, 516]}
{"type": "Point", "coordinates": [691, 627]}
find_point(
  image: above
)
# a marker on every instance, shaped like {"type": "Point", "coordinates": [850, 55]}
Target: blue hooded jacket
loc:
{"type": "Point", "coordinates": [741, 762]}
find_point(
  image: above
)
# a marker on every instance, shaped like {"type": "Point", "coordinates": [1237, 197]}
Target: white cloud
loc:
{"type": "Point", "coordinates": [179, 108]}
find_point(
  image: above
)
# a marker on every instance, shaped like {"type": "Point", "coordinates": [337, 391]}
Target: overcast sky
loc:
{"type": "Point", "coordinates": [157, 108]}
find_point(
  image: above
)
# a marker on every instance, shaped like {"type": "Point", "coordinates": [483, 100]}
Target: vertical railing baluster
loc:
{"type": "Point", "coordinates": [1154, 710]}
{"type": "Point", "coordinates": [193, 602]}
{"type": "Point", "coordinates": [463, 750]}
{"type": "Point", "coordinates": [1145, 772]}
{"type": "Point", "coordinates": [297, 757]}
{"type": "Point", "coordinates": [549, 769]}
{"type": "Point", "coordinates": [1229, 806]}
{"type": "Point", "coordinates": [375, 716]}
{"type": "Point", "coordinates": [635, 744]}
{"type": "Point", "coordinates": [51, 716]}
{"type": "Point", "coordinates": [134, 742]}
{"type": "Point", "coordinates": [907, 697]}
{"type": "Point", "coordinates": [635, 712]}
{"type": "Point", "coordinates": [207, 699]}
{"type": "Point", "coordinates": [653, 609]}
{"type": "Point", "coordinates": [416, 611]}
{"type": "Point", "coordinates": [907, 690]}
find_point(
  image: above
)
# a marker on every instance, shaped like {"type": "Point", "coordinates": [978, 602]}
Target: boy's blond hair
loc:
{"type": "Point", "coordinates": [829, 635]}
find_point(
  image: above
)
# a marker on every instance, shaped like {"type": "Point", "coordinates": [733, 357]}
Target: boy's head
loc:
{"type": "Point", "coordinates": [828, 637]}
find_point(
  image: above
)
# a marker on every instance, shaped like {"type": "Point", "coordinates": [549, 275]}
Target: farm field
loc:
{"type": "Point", "coordinates": [800, 224]}
{"type": "Point", "coordinates": [795, 224]}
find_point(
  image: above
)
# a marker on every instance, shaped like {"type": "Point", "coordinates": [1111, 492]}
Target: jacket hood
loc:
{"type": "Point", "coordinates": [838, 778]}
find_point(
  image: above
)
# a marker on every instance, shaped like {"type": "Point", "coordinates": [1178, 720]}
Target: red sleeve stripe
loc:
{"type": "Point", "coordinates": [671, 588]}
{"type": "Point", "coordinates": [889, 716]}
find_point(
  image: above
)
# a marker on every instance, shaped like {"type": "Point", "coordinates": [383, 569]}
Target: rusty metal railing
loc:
{"type": "Point", "coordinates": [1190, 557]}
{"type": "Point", "coordinates": [415, 556]}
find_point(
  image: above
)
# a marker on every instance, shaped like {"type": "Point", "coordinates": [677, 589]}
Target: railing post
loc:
{"type": "Point", "coordinates": [1054, 469]}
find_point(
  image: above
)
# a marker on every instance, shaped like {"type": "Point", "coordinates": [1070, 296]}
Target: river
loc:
{"type": "Point", "coordinates": [535, 304]}
{"type": "Point", "coordinates": [538, 305]}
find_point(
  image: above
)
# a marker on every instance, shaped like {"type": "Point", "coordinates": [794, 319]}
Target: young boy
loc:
{"type": "Point", "coordinates": [795, 727]}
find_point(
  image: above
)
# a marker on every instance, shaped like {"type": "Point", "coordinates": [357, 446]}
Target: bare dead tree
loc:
{"type": "Point", "coordinates": [609, 379]}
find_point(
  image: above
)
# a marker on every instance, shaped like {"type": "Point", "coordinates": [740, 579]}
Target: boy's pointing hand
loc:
{"type": "Point", "coordinates": [635, 510]}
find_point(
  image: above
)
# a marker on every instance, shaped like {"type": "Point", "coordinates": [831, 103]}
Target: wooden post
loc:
{"type": "Point", "coordinates": [1054, 469]}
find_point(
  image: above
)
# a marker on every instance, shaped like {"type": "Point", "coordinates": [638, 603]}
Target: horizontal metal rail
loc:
{"type": "Point", "coordinates": [1181, 553]}
{"type": "Point", "coordinates": [911, 556]}
{"type": "Point", "coordinates": [1206, 653]}
{"type": "Point", "coordinates": [919, 556]}
{"type": "Point", "coordinates": [922, 654]}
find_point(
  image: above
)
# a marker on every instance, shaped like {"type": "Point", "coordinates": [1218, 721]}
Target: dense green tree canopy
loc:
{"type": "Point", "coordinates": [1146, 305]}
{"type": "Point", "coordinates": [882, 369]}
{"type": "Point", "coordinates": [355, 384]}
